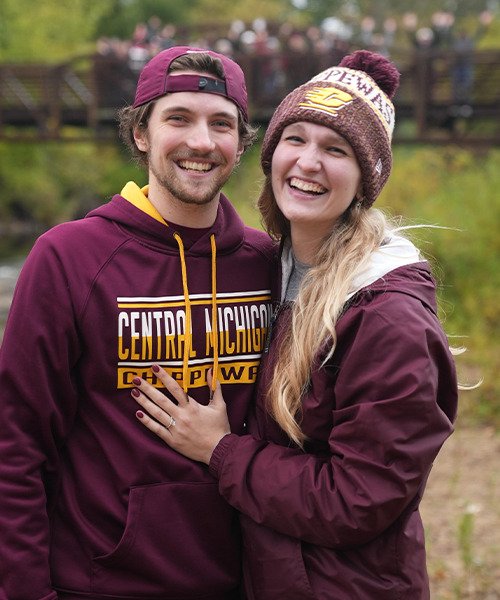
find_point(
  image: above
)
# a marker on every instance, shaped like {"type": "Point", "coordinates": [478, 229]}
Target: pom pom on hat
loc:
{"type": "Point", "coordinates": [353, 99]}
{"type": "Point", "coordinates": [378, 67]}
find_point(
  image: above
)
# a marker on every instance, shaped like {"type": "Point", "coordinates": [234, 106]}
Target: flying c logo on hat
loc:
{"type": "Point", "coordinates": [326, 99]}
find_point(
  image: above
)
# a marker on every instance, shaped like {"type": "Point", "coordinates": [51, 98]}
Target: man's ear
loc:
{"type": "Point", "coordinates": [239, 153]}
{"type": "Point", "coordinates": [141, 138]}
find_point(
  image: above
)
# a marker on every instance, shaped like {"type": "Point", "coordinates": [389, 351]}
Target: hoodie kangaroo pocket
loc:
{"type": "Point", "coordinates": [179, 539]}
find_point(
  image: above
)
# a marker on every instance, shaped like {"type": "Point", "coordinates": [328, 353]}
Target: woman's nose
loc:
{"type": "Point", "coordinates": [309, 159]}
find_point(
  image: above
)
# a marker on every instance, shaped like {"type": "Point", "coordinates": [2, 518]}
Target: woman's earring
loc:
{"type": "Point", "coordinates": [359, 200]}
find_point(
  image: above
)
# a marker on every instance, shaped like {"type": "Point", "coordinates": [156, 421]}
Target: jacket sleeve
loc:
{"type": "Point", "coordinates": [393, 398]}
{"type": "Point", "coordinates": [37, 403]}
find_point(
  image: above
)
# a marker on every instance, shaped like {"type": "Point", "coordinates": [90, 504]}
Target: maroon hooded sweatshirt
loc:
{"type": "Point", "coordinates": [93, 505]}
{"type": "Point", "coordinates": [340, 520]}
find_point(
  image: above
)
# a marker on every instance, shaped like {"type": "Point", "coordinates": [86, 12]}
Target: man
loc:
{"type": "Point", "coordinates": [92, 505]}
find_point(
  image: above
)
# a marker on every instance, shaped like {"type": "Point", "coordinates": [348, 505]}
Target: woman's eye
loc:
{"type": "Point", "coordinates": [293, 138]}
{"type": "Point", "coordinates": [336, 150]}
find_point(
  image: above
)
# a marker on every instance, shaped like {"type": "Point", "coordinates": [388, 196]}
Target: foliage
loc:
{"type": "Point", "coordinates": [244, 186]}
{"type": "Point", "coordinates": [457, 189]}
{"type": "Point", "coordinates": [58, 30]}
{"type": "Point", "coordinates": [121, 16]}
{"type": "Point", "coordinates": [52, 30]}
{"type": "Point", "coordinates": [314, 11]}
{"type": "Point", "coordinates": [45, 184]}
{"type": "Point", "coordinates": [491, 38]}
{"type": "Point", "coordinates": [317, 10]}
{"type": "Point", "coordinates": [227, 10]}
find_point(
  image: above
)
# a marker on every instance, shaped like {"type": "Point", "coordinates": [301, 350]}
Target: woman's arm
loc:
{"type": "Point", "coordinates": [392, 407]}
{"type": "Point", "coordinates": [389, 420]}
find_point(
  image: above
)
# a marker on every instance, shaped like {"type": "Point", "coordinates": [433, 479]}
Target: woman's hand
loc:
{"type": "Point", "coordinates": [189, 427]}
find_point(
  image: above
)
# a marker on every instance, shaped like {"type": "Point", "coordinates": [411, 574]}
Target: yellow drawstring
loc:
{"type": "Point", "coordinates": [214, 314]}
{"type": "Point", "coordinates": [139, 198]}
{"type": "Point", "coordinates": [187, 301]}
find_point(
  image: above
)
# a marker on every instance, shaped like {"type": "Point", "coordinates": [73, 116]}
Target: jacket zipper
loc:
{"type": "Point", "coordinates": [279, 308]}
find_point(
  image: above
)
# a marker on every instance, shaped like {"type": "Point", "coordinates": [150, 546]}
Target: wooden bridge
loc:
{"type": "Point", "coordinates": [443, 98]}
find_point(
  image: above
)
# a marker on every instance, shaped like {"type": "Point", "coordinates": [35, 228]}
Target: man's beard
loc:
{"type": "Point", "coordinates": [189, 194]}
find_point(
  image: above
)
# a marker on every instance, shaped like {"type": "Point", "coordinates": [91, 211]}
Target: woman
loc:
{"type": "Point", "coordinates": [357, 390]}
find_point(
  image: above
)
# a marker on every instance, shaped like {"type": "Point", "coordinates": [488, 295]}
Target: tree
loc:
{"type": "Point", "coordinates": [48, 31]}
{"type": "Point", "coordinates": [121, 16]}
{"type": "Point", "coordinates": [225, 11]}
{"type": "Point", "coordinates": [317, 10]}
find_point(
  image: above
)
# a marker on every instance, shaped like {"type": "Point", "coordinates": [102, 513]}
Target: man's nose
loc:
{"type": "Point", "coordinates": [200, 138]}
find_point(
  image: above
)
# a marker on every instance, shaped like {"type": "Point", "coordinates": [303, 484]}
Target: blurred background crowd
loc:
{"type": "Point", "coordinates": [263, 38]}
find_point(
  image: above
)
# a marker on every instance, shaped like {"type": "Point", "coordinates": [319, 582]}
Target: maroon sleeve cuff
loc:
{"type": "Point", "coordinates": [219, 453]}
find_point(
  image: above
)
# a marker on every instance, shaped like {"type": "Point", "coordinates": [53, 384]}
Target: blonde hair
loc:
{"type": "Point", "coordinates": [320, 302]}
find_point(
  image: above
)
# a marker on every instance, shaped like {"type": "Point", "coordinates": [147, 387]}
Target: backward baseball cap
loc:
{"type": "Point", "coordinates": [155, 80]}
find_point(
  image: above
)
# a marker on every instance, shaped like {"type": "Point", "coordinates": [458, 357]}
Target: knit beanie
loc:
{"type": "Point", "coordinates": [353, 99]}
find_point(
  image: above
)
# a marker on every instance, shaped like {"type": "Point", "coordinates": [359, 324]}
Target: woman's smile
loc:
{"type": "Point", "coordinates": [315, 177]}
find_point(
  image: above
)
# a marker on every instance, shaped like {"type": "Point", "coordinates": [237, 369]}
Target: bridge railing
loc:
{"type": "Point", "coordinates": [42, 99]}
{"type": "Point", "coordinates": [443, 96]}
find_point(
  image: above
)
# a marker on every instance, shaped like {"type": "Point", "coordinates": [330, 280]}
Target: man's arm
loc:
{"type": "Point", "coordinates": [37, 403]}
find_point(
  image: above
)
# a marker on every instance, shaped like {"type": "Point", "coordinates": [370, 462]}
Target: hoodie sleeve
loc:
{"type": "Point", "coordinates": [38, 404]}
{"type": "Point", "coordinates": [393, 398]}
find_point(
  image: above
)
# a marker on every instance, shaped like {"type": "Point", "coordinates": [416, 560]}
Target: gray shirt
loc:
{"type": "Point", "coordinates": [295, 278]}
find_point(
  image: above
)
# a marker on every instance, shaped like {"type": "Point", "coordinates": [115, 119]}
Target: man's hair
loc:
{"type": "Point", "coordinates": [130, 118]}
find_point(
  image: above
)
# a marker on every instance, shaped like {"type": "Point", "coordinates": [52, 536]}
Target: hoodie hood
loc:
{"type": "Point", "coordinates": [383, 271]}
{"type": "Point", "coordinates": [397, 266]}
{"type": "Point", "coordinates": [132, 210]}
{"type": "Point", "coordinates": [395, 252]}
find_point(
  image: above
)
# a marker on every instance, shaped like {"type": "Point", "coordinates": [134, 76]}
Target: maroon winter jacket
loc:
{"type": "Point", "coordinates": [340, 521]}
{"type": "Point", "coordinates": [92, 505]}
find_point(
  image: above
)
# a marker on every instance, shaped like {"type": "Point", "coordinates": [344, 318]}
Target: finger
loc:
{"type": "Point", "coordinates": [158, 413]}
{"type": "Point", "coordinates": [216, 395]}
{"type": "Point", "coordinates": [171, 385]}
{"type": "Point", "coordinates": [155, 395]}
{"type": "Point", "coordinates": [154, 426]}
